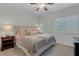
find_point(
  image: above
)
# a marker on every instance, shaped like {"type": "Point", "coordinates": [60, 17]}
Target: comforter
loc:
{"type": "Point", "coordinates": [33, 43]}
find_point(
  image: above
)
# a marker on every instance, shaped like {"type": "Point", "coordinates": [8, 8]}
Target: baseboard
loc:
{"type": "Point", "coordinates": [60, 42]}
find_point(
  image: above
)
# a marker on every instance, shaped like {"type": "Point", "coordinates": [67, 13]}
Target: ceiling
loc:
{"type": "Point", "coordinates": [30, 9]}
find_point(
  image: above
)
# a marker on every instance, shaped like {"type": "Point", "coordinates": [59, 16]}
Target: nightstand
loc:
{"type": "Point", "coordinates": [7, 42]}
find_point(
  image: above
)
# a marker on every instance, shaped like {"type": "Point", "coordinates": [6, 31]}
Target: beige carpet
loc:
{"type": "Point", "coordinates": [12, 52]}
{"type": "Point", "coordinates": [57, 50]}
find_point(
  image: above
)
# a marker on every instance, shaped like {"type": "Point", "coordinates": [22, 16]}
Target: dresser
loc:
{"type": "Point", "coordinates": [76, 46]}
{"type": "Point", "coordinates": [7, 42]}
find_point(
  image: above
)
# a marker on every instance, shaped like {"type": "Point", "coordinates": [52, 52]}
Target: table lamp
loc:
{"type": "Point", "coordinates": [7, 28]}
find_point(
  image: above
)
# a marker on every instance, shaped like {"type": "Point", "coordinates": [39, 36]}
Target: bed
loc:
{"type": "Point", "coordinates": [34, 44]}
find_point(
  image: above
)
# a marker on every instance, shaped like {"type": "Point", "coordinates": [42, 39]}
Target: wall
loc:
{"type": "Point", "coordinates": [48, 22]}
{"type": "Point", "coordinates": [15, 17]}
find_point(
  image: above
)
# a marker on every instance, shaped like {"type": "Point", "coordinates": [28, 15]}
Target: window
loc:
{"type": "Point", "coordinates": [71, 24]}
{"type": "Point", "coordinates": [60, 24]}
{"type": "Point", "coordinates": [67, 24]}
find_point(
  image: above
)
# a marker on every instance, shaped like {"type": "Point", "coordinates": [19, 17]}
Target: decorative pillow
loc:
{"type": "Point", "coordinates": [25, 32]}
{"type": "Point", "coordinates": [22, 31]}
{"type": "Point", "coordinates": [28, 31]}
{"type": "Point", "coordinates": [33, 31]}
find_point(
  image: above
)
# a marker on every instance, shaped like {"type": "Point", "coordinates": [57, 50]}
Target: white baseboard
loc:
{"type": "Point", "coordinates": [60, 42]}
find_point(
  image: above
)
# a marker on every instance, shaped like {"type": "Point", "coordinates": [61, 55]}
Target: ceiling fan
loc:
{"type": "Point", "coordinates": [41, 5]}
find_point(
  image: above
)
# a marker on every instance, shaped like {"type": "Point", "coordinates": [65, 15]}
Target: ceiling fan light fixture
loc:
{"type": "Point", "coordinates": [41, 5]}
{"type": "Point", "coordinates": [45, 8]}
{"type": "Point", "coordinates": [37, 9]}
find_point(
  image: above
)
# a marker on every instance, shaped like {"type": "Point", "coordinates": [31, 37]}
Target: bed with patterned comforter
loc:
{"type": "Point", "coordinates": [33, 43]}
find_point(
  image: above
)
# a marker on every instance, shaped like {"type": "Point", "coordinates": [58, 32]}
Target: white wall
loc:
{"type": "Point", "coordinates": [48, 22]}
{"type": "Point", "coordinates": [15, 17]}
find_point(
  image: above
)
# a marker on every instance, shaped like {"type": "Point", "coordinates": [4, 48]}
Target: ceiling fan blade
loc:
{"type": "Point", "coordinates": [33, 3]}
{"type": "Point", "coordinates": [37, 9]}
{"type": "Point", "coordinates": [49, 3]}
{"type": "Point", "coordinates": [42, 3]}
{"type": "Point", "coordinates": [45, 9]}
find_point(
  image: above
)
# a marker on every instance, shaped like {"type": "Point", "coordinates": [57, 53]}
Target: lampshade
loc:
{"type": "Point", "coordinates": [7, 27]}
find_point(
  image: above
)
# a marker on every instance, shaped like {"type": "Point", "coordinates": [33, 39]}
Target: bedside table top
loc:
{"type": "Point", "coordinates": [7, 38]}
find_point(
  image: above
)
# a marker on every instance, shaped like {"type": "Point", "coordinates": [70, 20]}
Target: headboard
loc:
{"type": "Point", "coordinates": [27, 30]}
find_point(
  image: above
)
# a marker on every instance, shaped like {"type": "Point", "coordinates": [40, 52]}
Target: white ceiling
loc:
{"type": "Point", "coordinates": [30, 9]}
